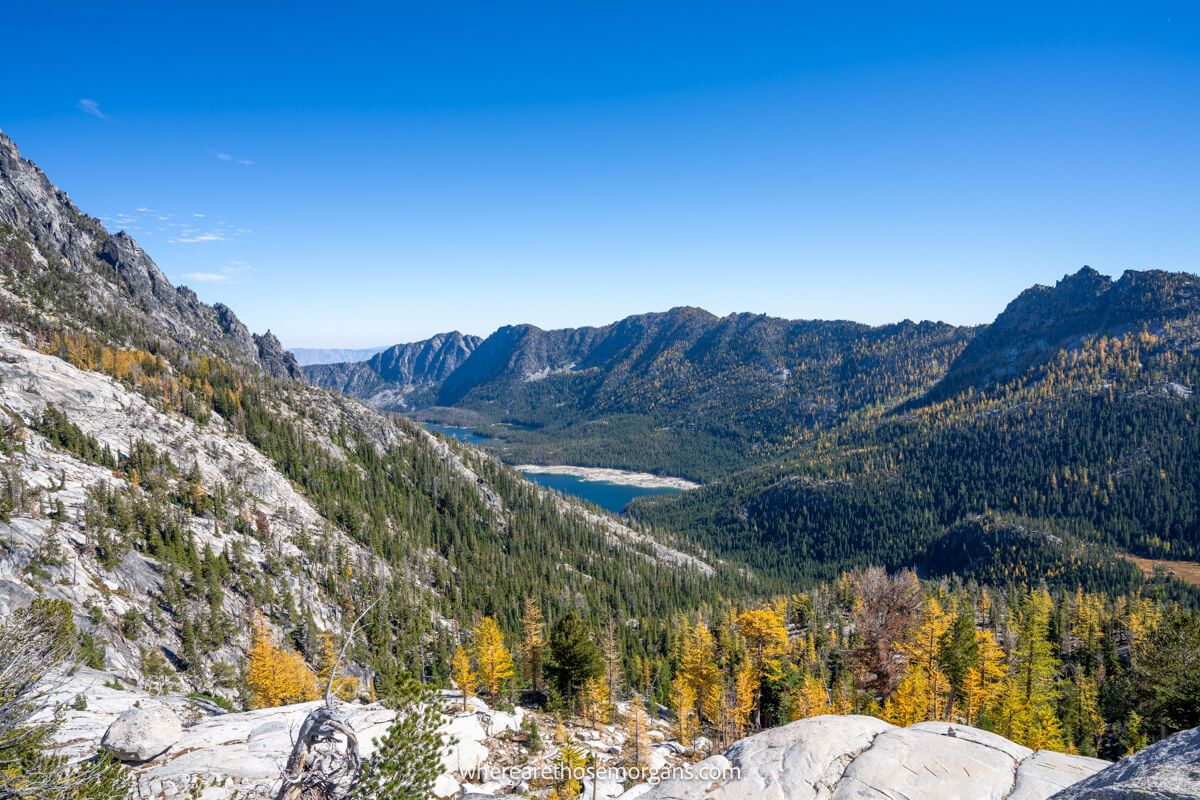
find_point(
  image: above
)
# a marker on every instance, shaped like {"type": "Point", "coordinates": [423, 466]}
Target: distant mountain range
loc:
{"type": "Point", "coordinates": [681, 391]}
{"type": "Point", "coordinates": [307, 356]}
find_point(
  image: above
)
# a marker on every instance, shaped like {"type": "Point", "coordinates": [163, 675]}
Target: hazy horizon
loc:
{"type": "Point", "coordinates": [361, 177]}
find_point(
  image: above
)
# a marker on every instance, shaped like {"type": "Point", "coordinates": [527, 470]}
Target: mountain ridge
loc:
{"type": "Point", "coordinates": [118, 275]}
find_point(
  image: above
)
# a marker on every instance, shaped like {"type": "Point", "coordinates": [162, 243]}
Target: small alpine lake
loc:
{"type": "Point", "coordinates": [611, 489]}
{"type": "Point", "coordinates": [608, 495]}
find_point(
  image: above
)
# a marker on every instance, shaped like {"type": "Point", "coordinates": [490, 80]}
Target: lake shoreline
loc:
{"type": "Point", "coordinates": [642, 480]}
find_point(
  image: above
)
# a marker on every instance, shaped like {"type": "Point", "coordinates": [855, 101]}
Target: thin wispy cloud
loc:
{"type": "Point", "coordinates": [207, 277]}
{"type": "Point", "coordinates": [189, 228]}
{"type": "Point", "coordinates": [228, 274]}
{"type": "Point", "coordinates": [195, 238]}
{"type": "Point", "coordinates": [89, 106]}
{"type": "Point", "coordinates": [220, 156]}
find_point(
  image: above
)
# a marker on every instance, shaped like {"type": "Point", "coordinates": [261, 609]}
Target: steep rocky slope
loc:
{"type": "Point", "coordinates": [166, 473]}
{"type": "Point", "coordinates": [48, 246]}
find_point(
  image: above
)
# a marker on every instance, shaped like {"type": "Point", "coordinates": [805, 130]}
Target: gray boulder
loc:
{"type": "Point", "coordinates": [141, 734]}
{"type": "Point", "coordinates": [1167, 770]}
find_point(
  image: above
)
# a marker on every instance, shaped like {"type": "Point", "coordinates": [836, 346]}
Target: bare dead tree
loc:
{"type": "Point", "coordinates": [324, 761]}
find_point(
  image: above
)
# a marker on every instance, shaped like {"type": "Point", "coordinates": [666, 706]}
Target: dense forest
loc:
{"type": "Point", "coordinates": [1093, 447]}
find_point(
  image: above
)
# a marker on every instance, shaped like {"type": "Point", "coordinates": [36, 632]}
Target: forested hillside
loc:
{"type": "Point", "coordinates": [1084, 425]}
{"type": "Point", "coordinates": [150, 446]}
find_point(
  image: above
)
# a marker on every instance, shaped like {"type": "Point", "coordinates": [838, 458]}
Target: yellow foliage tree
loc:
{"type": "Point", "coordinates": [593, 700]}
{"type": "Point", "coordinates": [637, 739]}
{"type": "Point", "coordinates": [925, 686]}
{"type": "Point", "coordinates": [810, 699]}
{"type": "Point", "coordinates": [494, 660]}
{"type": "Point", "coordinates": [766, 639]}
{"type": "Point", "coordinates": [462, 674]}
{"type": "Point", "coordinates": [343, 687]}
{"type": "Point", "coordinates": [571, 762]}
{"type": "Point", "coordinates": [745, 696]}
{"type": "Point", "coordinates": [276, 676]}
{"type": "Point", "coordinates": [683, 698]}
{"type": "Point", "coordinates": [533, 644]}
{"type": "Point", "coordinates": [982, 682]}
{"type": "Point", "coordinates": [698, 665]}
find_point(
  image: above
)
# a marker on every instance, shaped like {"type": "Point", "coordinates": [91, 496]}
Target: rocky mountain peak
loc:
{"type": "Point", "coordinates": [112, 275]}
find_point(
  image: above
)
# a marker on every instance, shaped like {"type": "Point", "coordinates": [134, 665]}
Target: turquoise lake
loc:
{"type": "Point", "coordinates": [609, 496]}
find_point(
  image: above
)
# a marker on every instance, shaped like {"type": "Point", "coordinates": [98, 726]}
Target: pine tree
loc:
{"type": "Point", "coordinates": [495, 662]}
{"type": "Point", "coordinates": [958, 651]}
{"type": "Point", "coordinates": [407, 760]}
{"type": "Point", "coordinates": [574, 656]}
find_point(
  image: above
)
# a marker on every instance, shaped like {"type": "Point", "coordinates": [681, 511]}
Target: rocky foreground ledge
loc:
{"type": "Point", "coordinates": [180, 747]}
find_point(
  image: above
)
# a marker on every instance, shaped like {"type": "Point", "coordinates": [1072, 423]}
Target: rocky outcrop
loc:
{"type": "Point", "coordinates": [845, 757]}
{"type": "Point", "coordinates": [831, 758]}
{"type": "Point", "coordinates": [274, 359]}
{"type": "Point", "coordinates": [142, 733]}
{"type": "Point", "coordinates": [1167, 770]}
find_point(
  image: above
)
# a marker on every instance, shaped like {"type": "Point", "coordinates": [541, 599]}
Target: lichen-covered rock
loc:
{"type": "Point", "coordinates": [1167, 770]}
{"type": "Point", "coordinates": [858, 758]}
{"type": "Point", "coordinates": [141, 734]}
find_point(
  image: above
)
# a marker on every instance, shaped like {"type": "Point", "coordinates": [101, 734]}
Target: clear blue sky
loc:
{"type": "Point", "coordinates": [350, 175]}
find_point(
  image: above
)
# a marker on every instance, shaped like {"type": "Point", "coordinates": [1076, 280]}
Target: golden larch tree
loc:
{"type": "Point", "coordinates": [533, 644]}
{"type": "Point", "coordinates": [494, 660]}
{"type": "Point", "coordinates": [683, 699]}
{"type": "Point", "coordinates": [276, 676]}
{"type": "Point", "coordinates": [463, 675]}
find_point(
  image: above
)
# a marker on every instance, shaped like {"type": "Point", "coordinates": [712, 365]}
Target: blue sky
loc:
{"type": "Point", "coordinates": [354, 175]}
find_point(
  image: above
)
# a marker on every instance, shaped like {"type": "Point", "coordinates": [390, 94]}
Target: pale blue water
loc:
{"type": "Point", "coordinates": [609, 496]}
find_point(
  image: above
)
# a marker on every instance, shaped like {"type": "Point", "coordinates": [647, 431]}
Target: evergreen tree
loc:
{"type": "Point", "coordinates": [574, 656]}
{"type": "Point", "coordinates": [407, 760]}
